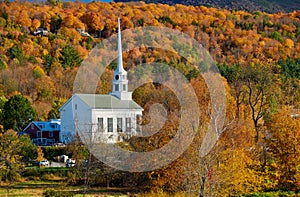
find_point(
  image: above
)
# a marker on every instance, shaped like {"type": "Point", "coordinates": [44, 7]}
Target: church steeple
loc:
{"type": "Point", "coordinates": [120, 82]}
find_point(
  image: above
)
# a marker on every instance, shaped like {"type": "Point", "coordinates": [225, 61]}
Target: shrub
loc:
{"type": "Point", "coordinates": [50, 152]}
{"type": "Point", "coordinates": [54, 193]}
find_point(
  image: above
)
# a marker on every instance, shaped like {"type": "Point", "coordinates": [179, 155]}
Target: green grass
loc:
{"type": "Point", "coordinates": [60, 188]}
{"type": "Point", "coordinates": [37, 188]}
{"type": "Point", "coordinates": [45, 172]}
{"type": "Point", "coordinates": [28, 188]}
{"type": "Point", "coordinates": [273, 194]}
{"type": "Point", "coordinates": [47, 169]}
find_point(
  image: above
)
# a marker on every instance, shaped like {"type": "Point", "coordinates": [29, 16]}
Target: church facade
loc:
{"type": "Point", "coordinates": [104, 118]}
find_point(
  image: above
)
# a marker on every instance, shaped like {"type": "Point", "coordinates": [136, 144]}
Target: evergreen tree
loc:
{"type": "Point", "coordinates": [54, 112]}
{"type": "Point", "coordinates": [48, 60]}
{"type": "Point", "coordinates": [69, 57]}
{"type": "Point", "coordinates": [17, 113]}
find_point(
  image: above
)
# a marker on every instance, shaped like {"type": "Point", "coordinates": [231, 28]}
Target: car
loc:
{"type": "Point", "coordinates": [82, 32]}
{"type": "Point", "coordinates": [85, 34]}
{"type": "Point", "coordinates": [44, 163]}
{"type": "Point", "coordinates": [41, 31]}
{"type": "Point", "coordinates": [70, 163]}
{"type": "Point", "coordinates": [59, 144]}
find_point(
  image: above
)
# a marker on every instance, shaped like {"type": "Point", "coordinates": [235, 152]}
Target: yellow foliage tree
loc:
{"type": "Point", "coordinates": [35, 24]}
{"type": "Point", "coordinates": [40, 154]}
{"type": "Point", "coordinates": [236, 172]}
{"type": "Point", "coordinates": [233, 176]}
{"type": "Point", "coordinates": [283, 144]}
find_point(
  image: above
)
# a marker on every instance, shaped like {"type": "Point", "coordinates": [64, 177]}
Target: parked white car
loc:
{"type": "Point", "coordinates": [83, 33]}
{"type": "Point", "coordinates": [44, 163]}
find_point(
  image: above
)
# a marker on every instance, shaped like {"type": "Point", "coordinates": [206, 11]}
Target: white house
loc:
{"type": "Point", "coordinates": [104, 118]}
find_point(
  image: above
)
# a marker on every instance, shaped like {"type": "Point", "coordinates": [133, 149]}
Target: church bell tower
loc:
{"type": "Point", "coordinates": [120, 82]}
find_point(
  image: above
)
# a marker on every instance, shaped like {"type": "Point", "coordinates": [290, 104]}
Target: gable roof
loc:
{"type": "Point", "coordinates": [103, 101]}
{"type": "Point", "coordinates": [51, 125]}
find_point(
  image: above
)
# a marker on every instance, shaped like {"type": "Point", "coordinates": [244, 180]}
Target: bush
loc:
{"type": "Point", "coordinates": [46, 172]}
{"type": "Point", "coordinates": [2, 64]}
{"type": "Point", "coordinates": [54, 193]}
{"type": "Point", "coordinates": [50, 152]}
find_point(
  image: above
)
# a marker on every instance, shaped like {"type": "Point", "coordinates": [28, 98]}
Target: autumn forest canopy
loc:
{"type": "Point", "coordinates": [269, 6]}
{"type": "Point", "coordinates": [258, 55]}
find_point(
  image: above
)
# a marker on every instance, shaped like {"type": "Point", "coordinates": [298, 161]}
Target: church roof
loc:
{"type": "Point", "coordinates": [103, 101]}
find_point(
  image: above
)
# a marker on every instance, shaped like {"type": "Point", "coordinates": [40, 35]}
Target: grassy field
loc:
{"type": "Point", "coordinates": [53, 181]}
{"type": "Point", "coordinates": [37, 188]}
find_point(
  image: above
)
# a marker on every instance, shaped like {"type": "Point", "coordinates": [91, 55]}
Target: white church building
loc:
{"type": "Point", "coordinates": [106, 118]}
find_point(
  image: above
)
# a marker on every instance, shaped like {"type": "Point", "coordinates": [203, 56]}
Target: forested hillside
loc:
{"type": "Point", "coordinates": [39, 67]}
{"type": "Point", "coordinates": [246, 5]}
{"type": "Point", "coordinates": [257, 54]}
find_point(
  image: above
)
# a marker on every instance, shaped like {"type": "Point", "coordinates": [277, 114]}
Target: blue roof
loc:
{"type": "Point", "coordinates": [50, 125]}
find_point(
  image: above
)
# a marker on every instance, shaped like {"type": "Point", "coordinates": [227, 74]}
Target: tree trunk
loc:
{"type": "Point", "coordinates": [202, 187]}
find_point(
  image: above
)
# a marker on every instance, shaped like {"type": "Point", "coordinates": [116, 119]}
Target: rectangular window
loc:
{"type": "Point", "coordinates": [128, 124]}
{"type": "Point", "coordinates": [32, 126]}
{"type": "Point", "coordinates": [50, 133]}
{"type": "Point", "coordinates": [38, 134]}
{"type": "Point", "coordinates": [53, 126]}
{"type": "Point", "coordinates": [100, 124]}
{"type": "Point", "coordinates": [116, 87]}
{"type": "Point", "coordinates": [75, 106]}
{"type": "Point", "coordinates": [119, 124]}
{"type": "Point", "coordinates": [110, 125]}
{"type": "Point", "coordinates": [124, 87]}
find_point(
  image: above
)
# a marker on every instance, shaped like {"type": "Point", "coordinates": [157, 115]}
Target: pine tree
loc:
{"type": "Point", "coordinates": [17, 113]}
{"type": "Point", "coordinates": [69, 57]}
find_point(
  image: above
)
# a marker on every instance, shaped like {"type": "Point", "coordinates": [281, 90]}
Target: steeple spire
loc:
{"type": "Point", "coordinates": [120, 57]}
{"type": "Point", "coordinates": [120, 82]}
